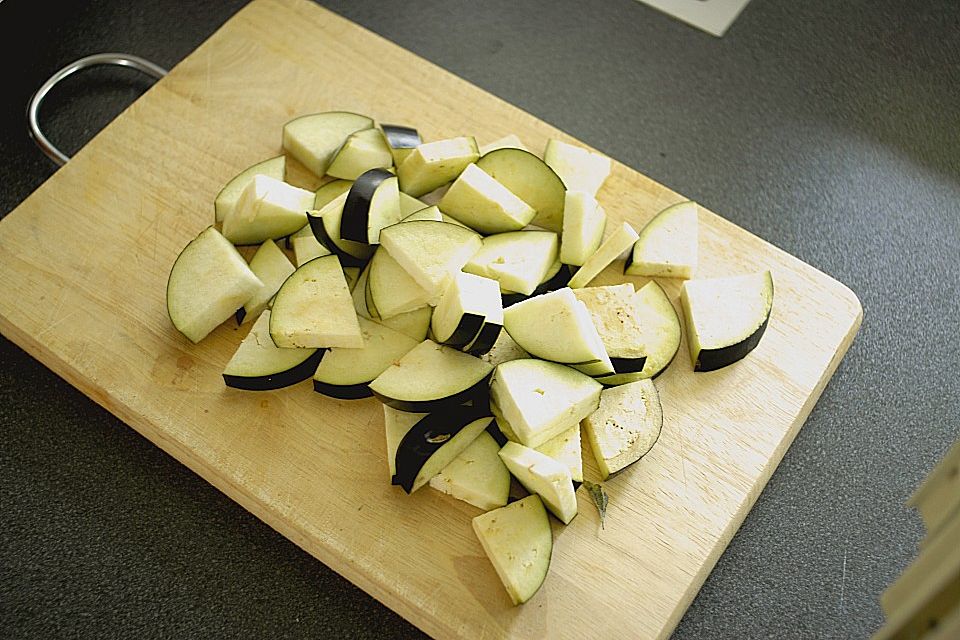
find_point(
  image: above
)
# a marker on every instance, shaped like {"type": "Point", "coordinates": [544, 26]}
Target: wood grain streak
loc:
{"type": "Point", "coordinates": [313, 468]}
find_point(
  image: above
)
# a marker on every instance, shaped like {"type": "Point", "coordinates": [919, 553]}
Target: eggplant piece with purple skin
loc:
{"type": "Point", "coordinates": [659, 334]}
{"type": "Point", "coordinates": [347, 373]}
{"type": "Point", "coordinates": [489, 334]}
{"type": "Point", "coordinates": [518, 540]}
{"type": "Point", "coordinates": [401, 137]}
{"type": "Point", "coordinates": [325, 224]}
{"type": "Point", "coordinates": [487, 337]}
{"type": "Point", "coordinates": [466, 331]}
{"type": "Point", "coordinates": [390, 290]}
{"type": "Point", "coordinates": [519, 260]}
{"type": "Point", "coordinates": [433, 377]}
{"type": "Point", "coordinates": [532, 180]}
{"type": "Point", "coordinates": [625, 426]}
{"type": "Point", "coordinates": [259, 365]}
{"type": "Point", "coordinates": [725, 317]}
{"type": "Point", "coordinates": [362, 151]}
{"type": "Point", "coordinates": [613, 311]}
{"type": "Point", "coordinates": [463, 309]}
{"type": "Point", "coordinates": [556, 279]}
{"type": "Point", "coordinates": [373, 202]}
{"type": "Point", "coordinates": [314, 139]}
{"type": "Point", "coordinates": [433, 442]}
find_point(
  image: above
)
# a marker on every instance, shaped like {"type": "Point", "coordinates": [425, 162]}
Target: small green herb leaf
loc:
{"type": "Point", "coordinates": [600, 498]}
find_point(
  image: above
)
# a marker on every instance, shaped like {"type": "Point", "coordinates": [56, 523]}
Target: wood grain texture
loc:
{"type": "Point", "coordinates": [91, 307]}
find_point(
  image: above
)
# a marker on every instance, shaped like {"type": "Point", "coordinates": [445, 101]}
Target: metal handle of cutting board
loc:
{"type": "Point", "coordinates": [115, 59]}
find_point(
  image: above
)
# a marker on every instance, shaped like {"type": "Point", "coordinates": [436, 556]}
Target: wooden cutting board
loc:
{"type": "Point", "coordinates": [83, 266]}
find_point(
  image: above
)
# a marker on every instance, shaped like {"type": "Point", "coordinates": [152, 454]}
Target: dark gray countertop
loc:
{"type": "Point", "coordinates": [832, 129]}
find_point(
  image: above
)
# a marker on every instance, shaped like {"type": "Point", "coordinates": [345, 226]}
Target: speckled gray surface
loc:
{"type": "Point", "coordinates": [831, 129]}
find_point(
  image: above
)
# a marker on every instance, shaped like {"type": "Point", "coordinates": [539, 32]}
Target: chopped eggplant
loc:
{"type": "Point", "coordinates": [518, 260]}
{"type": "Point", "coordinates": [401, 140]}
{"type": "Point", "coordinates": [557, 277]}
{"type": "Point", "coordinates": [391, 289]}
{"type": "Point", "coordinates": [584, 221]}
{"type": "Point", "coordinates": [544, 476]}
{"type": "Point", "coordinates": [305, 230]}
{"type": "Point", "coordinates": [464, 308]}
{"type": "Point", "coordinates": [307, 247]}
{"type": "Point", "coordinates": [431, 252]}
{"type": "Point", "coordinates": [531, 180]}
{"type": "Point", "coordinates": [363, 150]}
{"type": "Point", "coordinates": [538, 400]}
{"type": "Point", "coordinates": [313, 308]}
{"type": "Point", "coordinates": [272, 267]}
{"type": "Point", "coordinates": [434, 164]}
{"type": "Point", "coordinates": [432, 377]}
{"type": "Point", "coordinates": [260, 365]}
{"type": "Point", "coordinates": [519, 542]}
{"type": "Point", "coordinates": [347, 373]}
{"type": "Point", "coordinates": [613, 311]}
{"type": "Point", "coordinates": [483, 204]}
{"type": "Point", "coordinates": [658, 336]}
{"type": "Point", "coordinates": [476, 476]}
{"type": "Point", "coordinates": [267, 209]}
{"type": "Point", "coordinates": [397, 423]}
{"type": "Point", "coordinates": [556, 326]}
{"type": "Point", "coordinates": [579, 168]}
{"type": "Point", "coordinates": [565, 449]}
{"type": "Point", "coordinates": [621, 240]}
{"type": "Point", "coordinates": [372, 203]}
{"type": "Point", "coordinates": [510, 141]}
{"type": "Point", "coordinates": [625, 426]}
{"type": "Point", "coordinates": [725, 317]}
{"type": "Point", "coordinates": [427, 213]}
{"type": "Point", "coordinates": [504, 349]}
{"type": "Point", "coordinates": [230, 194]}
{"type": "Point", "coordinates": [414, 323]}
{"type": "Point", "coordinates": [329, 192]}
{"type": "Point", "coordinates": [488, 336]}
{"type": "Point", "coordinates": [434, 442]}
{"type": "Point", "coordinates": [315, 139]}
{"type": "Point", "coordinates": [208, 282]}
{"type": "Point", "coordinates": [667, 246]}
{"type": "Point", "coordinates": [409, 204]}
{"type": "Point", "coordinates": [351, 275]}
{"type": "Point", "coordinates": [325, 224]}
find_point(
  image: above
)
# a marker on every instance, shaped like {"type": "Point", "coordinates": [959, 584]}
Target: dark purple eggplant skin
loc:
{"type": "Point", "coordinates": [474, 394]}
{"type": "Point", "coordinates": [356, 208]}
{"type": "Point", "coordinates": [428, 436]}
{"type": "Point", "coordinates": [653, 377]}
{"type": "Point", "coordinates": [713, 359]}
{"type": "Point", "coordinates": [628, 365]}
{"type": "Point", "coordinates": [343, 391]}
{"type": "Point", "coordinates": [299, 373]}
{"type": "Point", "coordinates": [559, 280]}
{"type": "Point", "coordinates": [240, 315]}
{"type": "Point", "coordinates": [401, 137]}
{"type": "Point", "coordinates": [320, 233]}
{"type": "Point", "coordinates": [486, 339]}
{"type": "Point", "coordinates": [494, 430]}
{"type": "Point", "coordinates": [468, 328]}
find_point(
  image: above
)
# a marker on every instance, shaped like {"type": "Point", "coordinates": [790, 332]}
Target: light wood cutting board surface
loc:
{"type": "Point", "coordinates": [83, 267]}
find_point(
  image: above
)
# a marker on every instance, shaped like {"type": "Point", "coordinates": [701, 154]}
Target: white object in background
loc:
{"type": "Point", "coordinates": [712, 16]}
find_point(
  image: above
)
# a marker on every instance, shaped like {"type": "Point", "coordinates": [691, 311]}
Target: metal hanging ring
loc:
{"type": "Point", "coordinates": [33, 107]}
